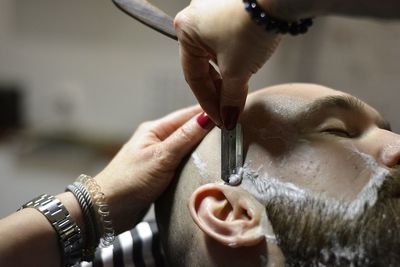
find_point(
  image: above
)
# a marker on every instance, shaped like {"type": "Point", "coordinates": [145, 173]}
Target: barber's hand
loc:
{"type": "Point", "coordinates": [145, 165]}
{"type": "Point", "coordinates": [223, 32]}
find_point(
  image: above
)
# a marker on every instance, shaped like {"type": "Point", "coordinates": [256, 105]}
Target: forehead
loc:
{"type": "Point", "coordinates": [292, 99]}
{"type": "Point", "coordinates": [304, 90]}
{"type": "Point", "coordinates": [286, 95]}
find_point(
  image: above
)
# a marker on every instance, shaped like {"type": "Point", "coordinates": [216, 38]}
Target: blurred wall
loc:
{"type": "Point", "coordinates": [87, 67]}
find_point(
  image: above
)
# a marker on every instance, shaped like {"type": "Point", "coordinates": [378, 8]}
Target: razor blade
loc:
{"type": "Point", "coordinates": [231, 152]}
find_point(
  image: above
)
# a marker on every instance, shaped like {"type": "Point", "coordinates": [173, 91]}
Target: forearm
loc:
{"type": "Point", "coordinates": [135, 203]}
{"type": "Point", "coordinates": [28, 239]}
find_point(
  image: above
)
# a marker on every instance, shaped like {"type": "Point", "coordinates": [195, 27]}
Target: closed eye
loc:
{"type": "Point", "coordinates": [339, 132]}
{"type": "Point", "coordinates": [337, 127]}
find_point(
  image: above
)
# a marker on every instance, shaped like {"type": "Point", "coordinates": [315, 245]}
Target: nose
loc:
{"type": "Point", "coordinates": [390, 151]}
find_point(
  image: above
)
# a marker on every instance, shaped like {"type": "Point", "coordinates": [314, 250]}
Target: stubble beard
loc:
{"type": "Point", "coordinates": [316, 231]}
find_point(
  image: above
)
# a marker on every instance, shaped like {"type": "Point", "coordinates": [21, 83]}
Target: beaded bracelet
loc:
{"type": "Point", "coordinates": [103, 209]}
{"type": "Point", "coordinates": [272, 24]}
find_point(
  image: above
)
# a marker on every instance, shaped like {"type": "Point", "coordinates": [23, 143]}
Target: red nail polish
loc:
{"type": "Point", "coordinates": [230, 116]}
{"type": "Point", "coordinates": [204, 121]}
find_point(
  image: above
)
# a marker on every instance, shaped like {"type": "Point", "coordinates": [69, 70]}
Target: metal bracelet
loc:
{"type": "Point", "coordinates": [69, 234]}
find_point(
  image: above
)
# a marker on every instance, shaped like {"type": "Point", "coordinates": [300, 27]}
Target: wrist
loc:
{"type": "Point", "coordinates": [126, 202]}
{"type": "Point", "coordinates": [71, 204]}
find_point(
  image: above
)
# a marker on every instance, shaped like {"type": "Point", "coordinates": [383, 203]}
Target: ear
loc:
{"type": "Point", "coordinates": [230, 215]}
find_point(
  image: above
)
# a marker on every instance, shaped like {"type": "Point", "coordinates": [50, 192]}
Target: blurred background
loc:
{"type": "Point", "coordinates": [77, 77]}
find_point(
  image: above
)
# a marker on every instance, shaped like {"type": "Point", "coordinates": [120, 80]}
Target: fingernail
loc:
{"type": "Point", "coordinates": [230, 116]}
{"type": "Point", "coordinates": [204, 121]}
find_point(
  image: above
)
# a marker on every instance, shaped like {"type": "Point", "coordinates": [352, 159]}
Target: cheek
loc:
{"type": "Point", "coordinates": [331, 169]}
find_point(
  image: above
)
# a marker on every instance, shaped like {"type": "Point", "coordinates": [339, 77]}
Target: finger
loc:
{"type": "Point", "coordinates": [197, 70]}
{"type": "Point", "coordinates": [217, 80]}
{"type": "Point", "coordinates": [232, 99]}
{"type": "Point", "coordinates": [184, 139]}
{"type": "Point", "coordinates": [165, 126]}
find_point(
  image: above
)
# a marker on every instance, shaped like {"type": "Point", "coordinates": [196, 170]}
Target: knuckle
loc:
{"type": "Point", "coordinates": [179, 20]}
{"type": "Point", "coordinates": [144, 126]}
{"type": "Point", "coordinates": [185, 134]}
{"type": "Point", "coordinates": [183, 21]}
{"type": "Point", "coordinates": [163, 158]}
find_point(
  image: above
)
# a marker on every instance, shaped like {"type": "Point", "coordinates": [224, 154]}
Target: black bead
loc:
{"type": "Point", "coordinates": [302, 29]}
{"type": "Point", "coordinates": [306, 22]}
{"type": "Point", "coordinates": [293, 29]}
{"type": "Point", "coordinates": [271, 25]}
{"type": "Point", "coordinates": [262, 19]}
{"type": "Point", "coordinates": [255, 11]}
{"type": "Point", "coordinates": [283, 27]}
{"type": "Point", "coordinates": [276, 25]}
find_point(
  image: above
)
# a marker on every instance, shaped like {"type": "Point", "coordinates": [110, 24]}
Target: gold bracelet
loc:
{"type": "Point", "coordinates": [103, 209]}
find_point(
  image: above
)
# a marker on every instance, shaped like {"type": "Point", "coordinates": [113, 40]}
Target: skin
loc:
{"type": "Point", "coordinates": [323, 153]}
{"type": "Point", "coordinates": [315, 153]}
{"type": "Point", "coordinates": [239, 47]}
{"type": "Point", "coordinates": [135, 178]}
{"type": "Point", "coordinates": [288, 146]}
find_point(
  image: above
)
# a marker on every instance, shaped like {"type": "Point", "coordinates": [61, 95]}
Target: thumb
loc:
{"type": "Point", "coordinates": [232, 99]}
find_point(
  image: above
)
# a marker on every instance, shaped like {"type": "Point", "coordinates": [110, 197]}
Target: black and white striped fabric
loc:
{"type": "Point", "coordinates": [139, 247]}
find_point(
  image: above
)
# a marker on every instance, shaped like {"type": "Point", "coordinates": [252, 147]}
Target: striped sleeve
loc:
{"type": "Point", "coordinates": [139, 247]}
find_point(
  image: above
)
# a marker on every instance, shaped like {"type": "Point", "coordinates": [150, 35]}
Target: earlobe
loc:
{"type": "Point", "coordinates": [229, 214]}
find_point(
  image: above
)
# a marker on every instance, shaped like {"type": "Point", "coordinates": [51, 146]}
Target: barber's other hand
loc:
{"type": "Point", "coordinates": [145, 165]}
{"type": "Point", "coordinates": [223, 32]}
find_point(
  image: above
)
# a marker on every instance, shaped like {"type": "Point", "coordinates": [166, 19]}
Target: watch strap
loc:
{"type": "Point", "coordinates": [69, 234]}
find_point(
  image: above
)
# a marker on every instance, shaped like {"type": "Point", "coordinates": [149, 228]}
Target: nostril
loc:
{"type": "Point", "coordinates": [391, 155]}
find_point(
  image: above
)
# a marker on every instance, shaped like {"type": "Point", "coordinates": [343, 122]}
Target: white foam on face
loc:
{"type": "Point", "coordinates": [200, 165]}
{"type": "Point", "coordinates": [368, 196]}
{"type": "Point", "coordinates": [343, 252]}
{"type": "Point", "coordinates": [236, 179]}
{"type": "Point", "coordinates": [271, 239]}
{"type": "Point", "coordinates": [265, 187]}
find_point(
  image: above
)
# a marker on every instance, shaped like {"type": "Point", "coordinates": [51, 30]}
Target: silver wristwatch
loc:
{"type": "Point", "coordinates": [69, 234]}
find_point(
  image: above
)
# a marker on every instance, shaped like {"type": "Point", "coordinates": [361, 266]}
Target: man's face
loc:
{"type": "Point", "coordinates": [322, 162]}
{"type": "Point", "coordinates": [318, 139]}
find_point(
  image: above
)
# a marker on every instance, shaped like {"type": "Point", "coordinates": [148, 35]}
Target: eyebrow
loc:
{"type": "Point", "coordinates": [348, 103]}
